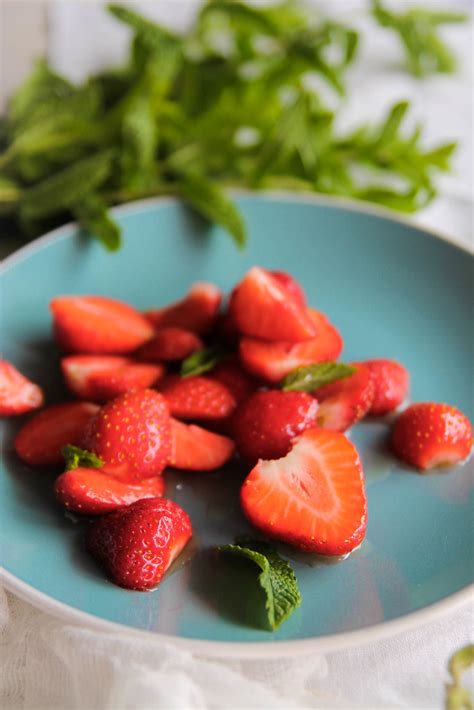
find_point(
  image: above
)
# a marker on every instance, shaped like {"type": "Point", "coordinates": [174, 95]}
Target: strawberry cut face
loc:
{"type": "Point", "coordinates": [196, 312]}
{"type": "Point", "coordinates": [347, 401]}
{"type": "Point", "coordinates": [17, 394]}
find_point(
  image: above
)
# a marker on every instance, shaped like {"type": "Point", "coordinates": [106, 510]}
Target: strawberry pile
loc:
{"type": "Point", "coordinates": [192, 384]}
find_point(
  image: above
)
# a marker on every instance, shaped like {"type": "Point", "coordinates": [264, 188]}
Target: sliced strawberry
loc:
{"type": "Point", "coordinates": [266, 424]}
{"type": "Point", "coordinates": [41, 440]}
{"type": "Point", "coordinates": [239, 383]}
{"type": "Point", "coordinates": [291, 285]}
{"type": "Point", "coordinates": [391, 385]}
{"type": "Point", "coordinates": [314, 498]}
{"type": "Point", "coordinates": [196, 312]}
{"type": "Point", "coordinates": [90, 491]}
{"type": "Point", "coordinates": [132, 434]}
{"type": "Point", "coordinates": [18, 395]}
{"type": "Point", "coordinates": [197, 398]}
{"type": "Point", "coordinates": [429, 434]}
{"type": "Point", "coordinates": [263, 308]}
{"type": "Point", "coordinates": [103, 377]}
{"type": "Point", "coordinates": [95, 324]}
{"type": "Point", "coordinates": [197, 449]}
{"type": "Point", "coordinates": [171, 344]}
{"type": "Point", "coordinates": [346, 401]}
{"type": "Point", "coordinates": [136, 544]}
{"type": "Point", "coordinates": [272, 361]}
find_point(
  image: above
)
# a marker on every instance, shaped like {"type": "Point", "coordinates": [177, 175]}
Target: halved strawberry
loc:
{"type": "Point", "coordinates": [17, 394]}
{"type": "Point", "coordinates": [239, 383]}
{"type": "Point", "coordinates": [95, 324]}
{"type": "Point", "coordinates": [90, 491]}
{"type": "Point", "coordinates": [197, 449]}
{"type": "Point", "coordinates": [291, 285]}
{"type": "Point", "coordinates": [170, 344]}
{"type": "Point", "coordinates": [41, 440]}
{"type": "Point", "coordinates": [263, 308]}
{"type": "Point", "coordinates": [273, 361]}
{"type": "Point", "coordinates": [391, 384]}
{"type": "Point", "coordinates": [345, 402]}
{"type": "Point", "coordinates": [103, 377]}
{"type": "Point", "coordinates": [196, 312]}
{"type": "Point", "coordinates": [197, 398]}
{"type": "Point", "coordinates": [430, 434]}
{"type": "Point", "coordinates": [313, 498]}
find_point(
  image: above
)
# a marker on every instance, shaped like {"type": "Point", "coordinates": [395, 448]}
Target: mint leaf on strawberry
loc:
{"type": "Point", "coordinates": [201, 361]}
{"type": "Point", "coordinates": [310, 377]}
{"type": "Point", "coordinates": [276, 578]}
{"type": "Point", "coordinates": [78, 458]}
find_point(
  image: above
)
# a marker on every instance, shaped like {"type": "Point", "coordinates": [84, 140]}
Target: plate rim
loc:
{"type": "Point", "coordinates": [238, 649]}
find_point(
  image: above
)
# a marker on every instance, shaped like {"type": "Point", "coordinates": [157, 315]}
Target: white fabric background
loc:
{"type": "Point", "coordinates": [51, 664]}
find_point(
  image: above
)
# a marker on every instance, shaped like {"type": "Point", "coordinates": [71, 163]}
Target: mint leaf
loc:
{"type": "Point", "coordinates": [276, 578]}
{"type": "Point", "coordinates": [458, 697]}
{"type": "Point", "coordinates": [93, 217]}
{"type": "Point", "coordinates": [76, 457]}
{"type": "Point", "coordinates": [310, 377]}
{"type": "Point", "coordinates": [201, 361]}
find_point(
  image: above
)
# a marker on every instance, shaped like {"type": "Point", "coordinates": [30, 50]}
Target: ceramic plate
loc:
{"type": "Point", "coordinates": [392, 290]}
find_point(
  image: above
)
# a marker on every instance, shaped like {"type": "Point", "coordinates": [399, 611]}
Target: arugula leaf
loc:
{"type": "Point", "coordinates": [310, 377]}
{"type": "Point", "coordinates": [93, 217]}
{"type": "Point", "coordinates": [458, 697]}
{"type": "Point", "coordinates": [276, 578]}
{"type": "Point", "coordinates": [201, 361]}
{"type": "Point", "coordinates": [76, 458]}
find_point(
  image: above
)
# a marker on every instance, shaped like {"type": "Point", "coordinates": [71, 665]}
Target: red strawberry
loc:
{"type": "Point", "coordinates": [291, 285]}
{"type": "Point", "coordinates": [41, 440]}
{"type": "Point", "coordinates": [171, 344]}
{"type": "Point", "coordinates": [197, 449]}
{"type": "Point", "coordinates": [197, 311]}
{"type": "Point", "coordinates": [95, 324]}
{"type": "Point", "coordinates": [313, 498]}
{"type": "Point", "coordinates": [230, 374]}
{"type": "Point", "coordinates": [345, 402]}
{"type": "Point", "coordinates": [90, 491]}
{"type": "Point", "coordinates": [103, 377]}
{"type": "Point", "coordinates": [136, 545]}
{"type": "Point", "coordinates": [429, 434]}
{"type": "Point", "coordinates": [132, 434]}
{"type": "Point", "coordinates": [197, 398]}
{"type": "Point", "coordinates": [263, 308]}
{"type": "Point", "coordinates": [266, 424]}
{"type": "Point", "coordinates": [273, 361]}
{"type": "Point", "coordinates": [17, 394]}
{"type": "Point", "coordinates": [391, 383]}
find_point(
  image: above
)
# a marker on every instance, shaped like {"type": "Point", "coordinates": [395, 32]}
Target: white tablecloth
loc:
{"type": "Point", "coordinates": [51, 664]}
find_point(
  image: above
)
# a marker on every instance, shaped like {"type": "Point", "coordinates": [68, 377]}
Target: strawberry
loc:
{"type": "Point", "coordinates": [103, 377]}
{"type": "Point", "coordinates": [429, 434]}
{"type": "Point", "coordinates": [41, 440]}
{"type": "Point", "coordinates": [274, 360]}
{"type": "Point", "coordinates": [239, 383]}
{"type": "Point", "coordinates": [197, 449]}
{"type": "Point", "coordinates": [136, 545]}
{"type": "Point", "coordinates": [313, 498]}
{"type": "Point", "coordinates": [266, 424]}
{"type": "Point", "coordinates": [17, 394]}
{"type": "Point", "coordinates": [345, 402]}
{"type": "Point", "coordinates": [197, 311]}
{"type": "Point", "coordinates": [291, 285]}
{"type": "Point", "coordinates": [90, 491]}
{"type": "Point", "coordinates": [197, 398]}
{"type": "Point", "coordinates": [171, 344]}
{"type": "Point", "coordinates": [99, 325]}
{"type": "Point", "coordinates": [132, 434]}
{"type": "Point", "coordinates": [391, 384]}
{"type": "Point", "coordinates": [262, 307]}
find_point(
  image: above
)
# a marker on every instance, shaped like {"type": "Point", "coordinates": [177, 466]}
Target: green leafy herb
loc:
{"type": "Point", "coordinates": [76, 457]}
{"type": "Point", "coordinates": [92, 215]}
{"type": "Point", "coordinates": [276, 578]}
{"type": "Point", "coordinates": [426, 53]}
{"type": "Point", "coordinates": [310, 377]}
{"type": "Point", "coordinates": [458, 697]}
{"type": "Point", "coordinates": [201, 361]}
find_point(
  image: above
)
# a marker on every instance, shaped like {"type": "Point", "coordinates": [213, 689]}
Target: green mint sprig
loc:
{"type": "Point", "coordinates": [309, 377]}
{"type": "Point", "coordinates": [76, 458]}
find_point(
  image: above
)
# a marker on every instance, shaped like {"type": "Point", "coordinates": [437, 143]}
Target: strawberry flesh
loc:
{"type": "Point", "coordinates": [18, 395]}
{"type": "Point", "coordinates": [240, 384]}
{"type": "Point", "coordinates": [314, 498]}
{"type": "Point", "coordinates": [391, 385]}
{"type": "Point", "coordinates": [346, 401]}
{"type": "Point", "coordinates": [136, 544]}
{"type": "Point", "coordinates": [90, 491]}
{"type": "Point", "coordinates": [291, 285]}
{"type": "Point", "coordinates": [197, 311]}
{"type": "Point", "coordinates": [199, 398]}
{"type": "Point", "coordinates": [171, 344]}
{"type": "Point", "coordinates": [197, 449]}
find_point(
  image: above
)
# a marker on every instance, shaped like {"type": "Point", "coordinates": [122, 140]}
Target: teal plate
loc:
{"type": "Point", "coordinates": [393, 291]}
